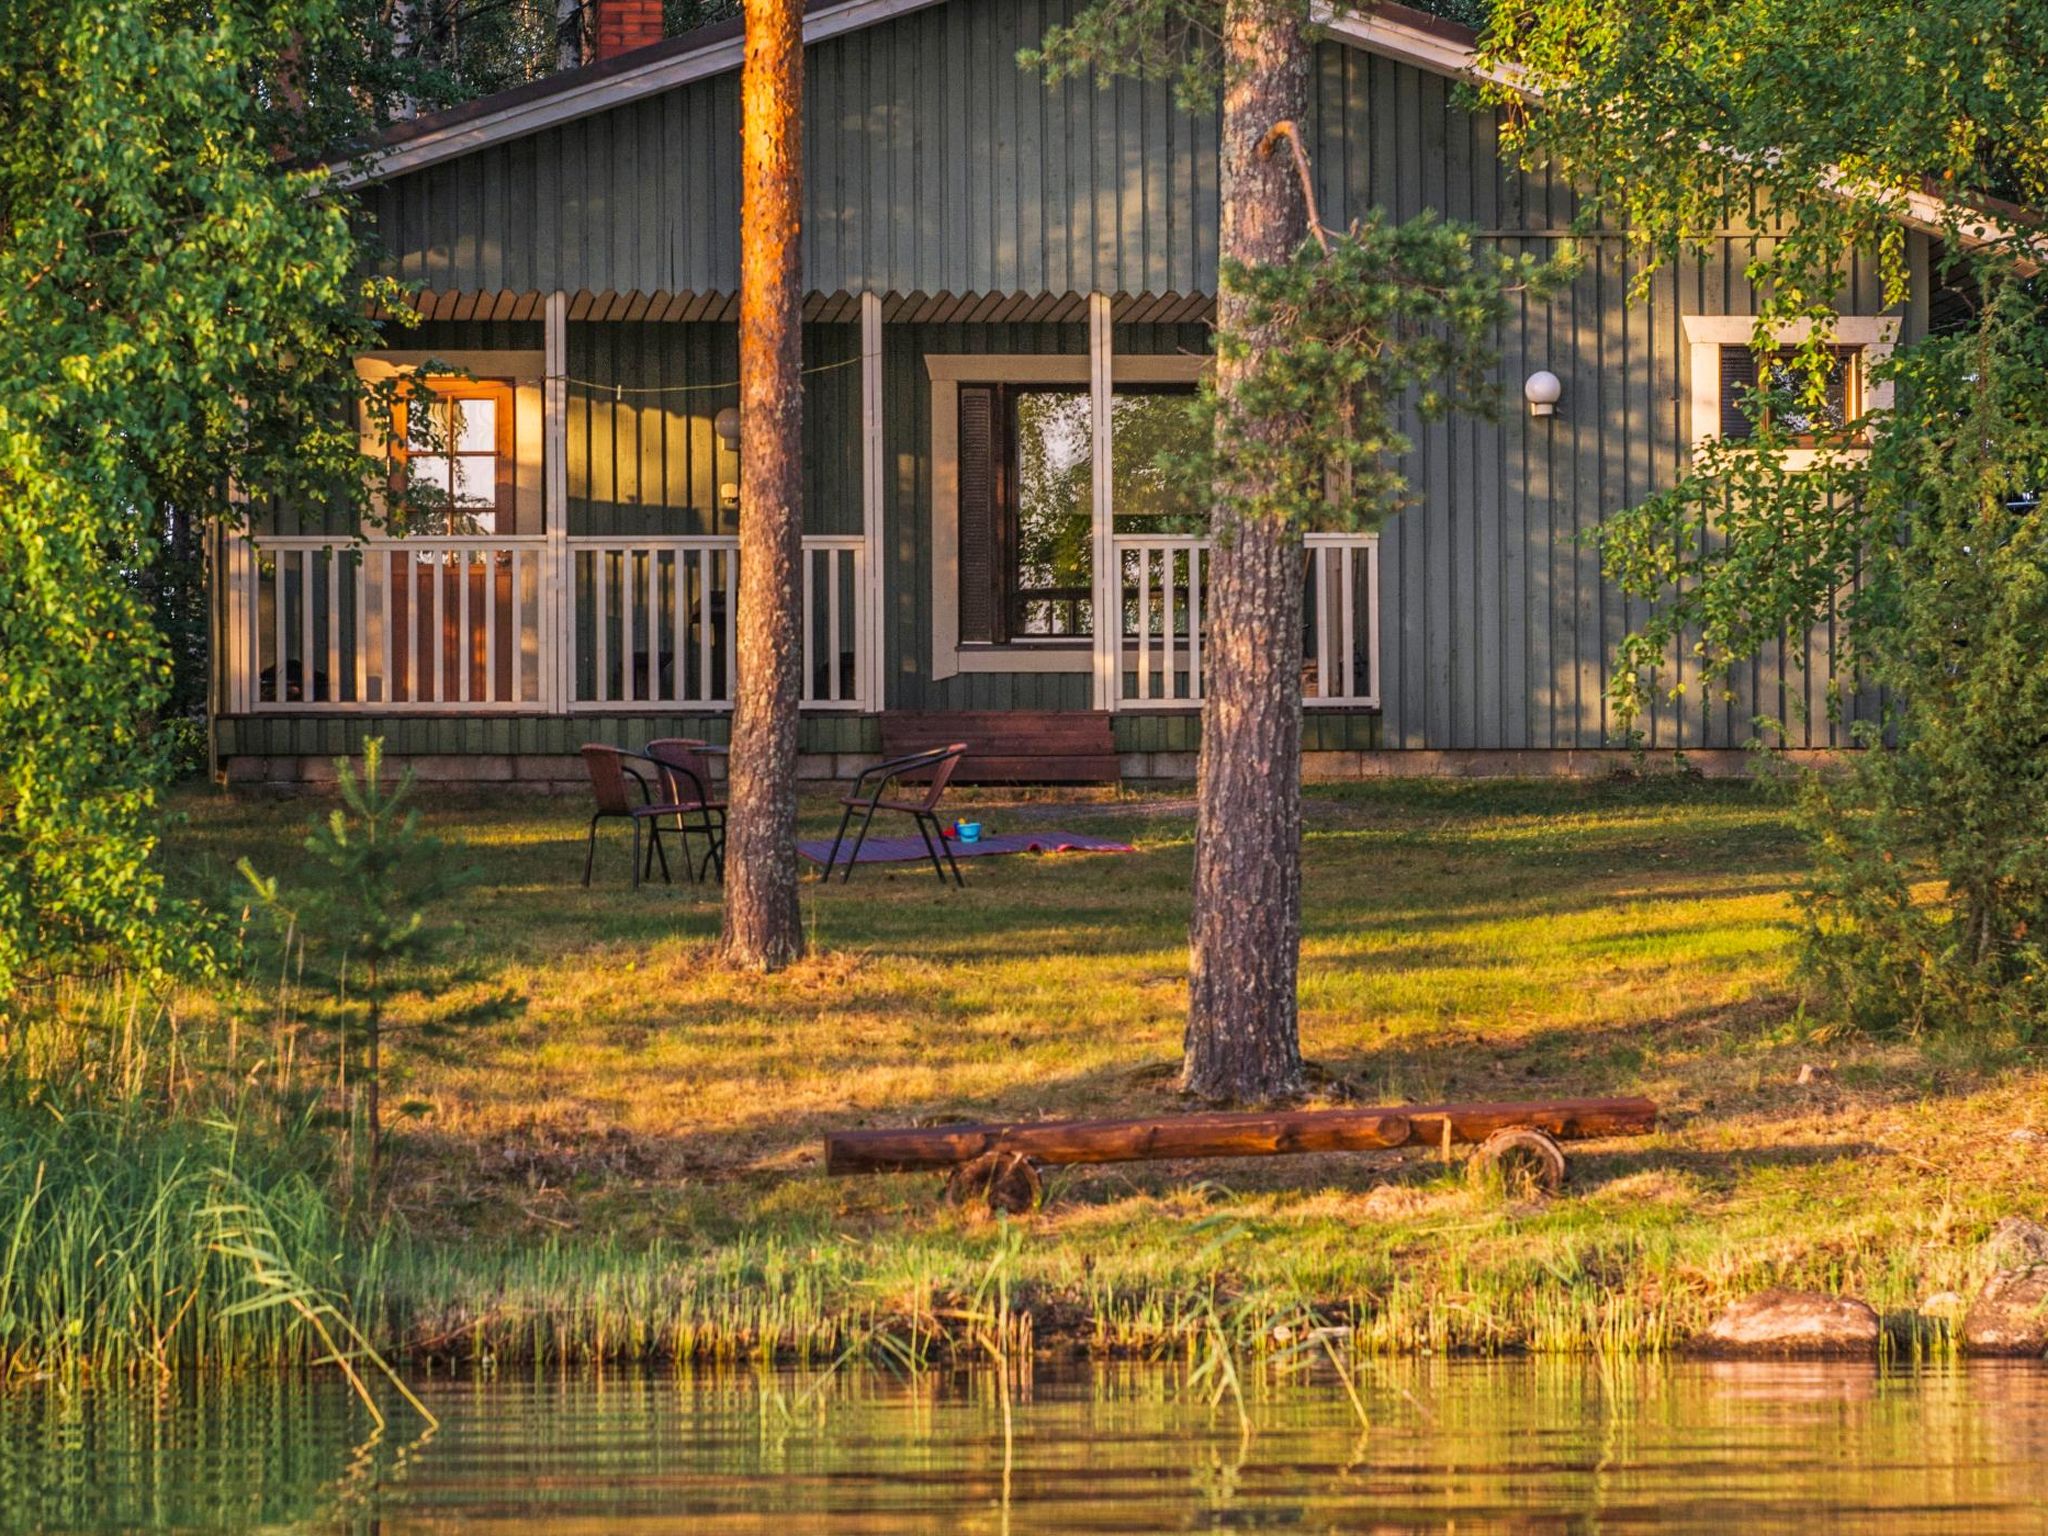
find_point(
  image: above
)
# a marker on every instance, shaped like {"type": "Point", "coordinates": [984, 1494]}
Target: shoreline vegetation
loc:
{"type": "Point", "coordinates": [626, 1166]}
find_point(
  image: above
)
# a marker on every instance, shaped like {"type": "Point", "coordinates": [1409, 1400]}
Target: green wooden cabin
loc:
{"type": "Point", "coordinates": [1009, 283]}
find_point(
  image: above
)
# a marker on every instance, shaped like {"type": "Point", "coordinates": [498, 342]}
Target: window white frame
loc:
{"type": "Point", "coordinates": [947, 372]}
{"type": "Point", "coordinates": [1873, 337]}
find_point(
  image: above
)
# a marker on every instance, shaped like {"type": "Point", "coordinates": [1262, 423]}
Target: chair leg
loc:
{"type": "Point", "coordinates": [636, 851]}
{"type": "Point", "coordinates": [656, 850]}
{"type": "Point", "coordinates": [929, 851]}
{"type": "Point", "coordinates": [853, 858]}
{"type": "Point", "coordinates": [947, 846]}
{"type": "Point", "coordinates": [840, 837]}
{"type": "Point", "coordinates": [683, 837]}
{"type": "Point", "coordinates": [714, 845]}
{"type": "Point", "coordinates": [590, 854]}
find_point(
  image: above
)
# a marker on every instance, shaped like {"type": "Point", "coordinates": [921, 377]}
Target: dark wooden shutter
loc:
{"type": "Point", "coordinates": [1738, 381]}
{"type": "Point", "coordinates": [978, 522]}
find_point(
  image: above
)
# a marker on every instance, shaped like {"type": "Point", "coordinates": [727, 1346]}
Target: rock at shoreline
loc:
{"type": "Point", "coordinates": [1779, 1322]}
{"type": "Point", "coordinates": [2017, 1243]}
{"type": "Point", "coordinates": [2011, 1317]}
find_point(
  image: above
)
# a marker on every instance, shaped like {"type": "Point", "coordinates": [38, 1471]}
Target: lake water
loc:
{"type": "Point", "coordinates": [1464, 1447]}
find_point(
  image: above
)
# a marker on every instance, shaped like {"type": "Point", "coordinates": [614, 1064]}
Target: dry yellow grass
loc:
{"type": "Point", "coordinates": [1483, 940]}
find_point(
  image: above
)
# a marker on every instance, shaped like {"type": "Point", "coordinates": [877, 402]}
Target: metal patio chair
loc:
{"type": "Point", "coordinates": [685, 768]}
{"type": "Point", "coordinates": [609, 769]}
{"type": "Point", "coordinates": [939, 762]}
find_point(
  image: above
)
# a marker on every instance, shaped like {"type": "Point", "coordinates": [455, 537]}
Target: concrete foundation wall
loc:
{"type": "Point", "coordinates": [557, 775]}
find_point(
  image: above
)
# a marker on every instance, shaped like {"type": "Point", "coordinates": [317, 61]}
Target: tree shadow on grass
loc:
{"type": "Point", "coordinates": [778, 1142]}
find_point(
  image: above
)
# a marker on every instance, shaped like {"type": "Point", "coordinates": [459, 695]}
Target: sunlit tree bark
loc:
{"type": "Point", "coordinates": [1243, 1041]}
{"type": "Point", "coordinates": [763, 926]}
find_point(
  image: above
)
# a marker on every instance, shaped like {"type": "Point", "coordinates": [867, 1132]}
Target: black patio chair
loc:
{"type": "Point", "coordinates": [686, 776]}
{"type": "Point", "coordinates": [939, 763]}
{"type": "Point", "coordinates": [609, 770]}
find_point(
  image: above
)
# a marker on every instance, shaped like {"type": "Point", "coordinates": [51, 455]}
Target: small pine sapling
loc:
{"type": "Point", "coordinates": [367, 934]}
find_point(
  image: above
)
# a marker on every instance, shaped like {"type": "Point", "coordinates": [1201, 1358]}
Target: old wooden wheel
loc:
{"type": "Point", "coordinates": [1530, 1162]}
{"type": "Point", "coordinates": [1006, 1181]}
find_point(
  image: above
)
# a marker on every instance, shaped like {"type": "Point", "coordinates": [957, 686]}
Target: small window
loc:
{"type": "Point", "coordinates": [1785, 379]}
{"type": "Point", "coordinates": [1027, 528]}
{"type": "Point", "coordinates": [454, 450]}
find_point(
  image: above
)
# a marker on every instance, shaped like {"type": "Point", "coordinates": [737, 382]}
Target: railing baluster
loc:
{"type": "Point", "coordinates": [1320, 571]}
{"type": "Point", "coordinates": [600, 628]}
{"type": "Point", "coordinates": [832, 641]}
{"type": "Point", "coordinates": [462, 637]}
{"type": "Point", "coordinates": [403, 593]}
{"type": "Point", "coordinates": [1347, 627]}
{"type": "Point", "coordinates": [626, 602]}
{"type": "Point", "coordinates": [1144, 621]}
{"type": "Point", "coordinates": [809, 613]}
{"type": "Point", "coordinates": [1172, 689]}
{"type": "Point", "coordinates": [384, 557]}
{"type": "Point", "coordinates": [305, 626]}
{"type": "Point", "coordinates": [701, 611]}
{"type": "Point", "coordinates": [1372, 619]}
{"type": "Point", "coordinates": [327, 559]}
{"type": "Point", "coordinates": [653, 626]}
{"type": "Point", "coordinates": [732, 639]}
{"type": "Point", "coordinates": [357, 568]}
{"type": "Point", "coordinates": [517, 637]}
{"type": "Point", "coordinates": [679, 625]}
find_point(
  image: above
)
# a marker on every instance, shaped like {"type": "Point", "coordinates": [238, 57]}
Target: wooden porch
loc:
{"type": "Point", "coordinates": [321, 624]}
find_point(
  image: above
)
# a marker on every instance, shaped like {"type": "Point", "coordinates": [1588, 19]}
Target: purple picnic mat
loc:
{"type": "Point", "coordinates": [899, 850]}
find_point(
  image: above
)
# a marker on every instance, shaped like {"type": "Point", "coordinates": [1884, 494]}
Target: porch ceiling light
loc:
{"type": "Point", "coordinates": [1542, 389]}
{"type": "Point", "coordinates": [727, 425]}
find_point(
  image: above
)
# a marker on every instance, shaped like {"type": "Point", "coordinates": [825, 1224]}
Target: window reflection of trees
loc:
{"type": "Point", "coordinates": [1052, 435]}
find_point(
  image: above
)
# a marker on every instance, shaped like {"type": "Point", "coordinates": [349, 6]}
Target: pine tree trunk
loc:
{"type": "Point", "coordinates": [763, 926]}
{"type": "Point", "coordinates": [1243, 1039]}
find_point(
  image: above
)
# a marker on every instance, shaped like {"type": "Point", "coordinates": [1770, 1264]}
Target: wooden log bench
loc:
{"type": "Point", "coordinates": [1000, 1162]}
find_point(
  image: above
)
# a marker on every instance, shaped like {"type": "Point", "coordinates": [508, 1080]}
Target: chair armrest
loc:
{"type": "Point", "coordinates": [889, 771]}
{"type": "Point", "coordinates": [645, 797]}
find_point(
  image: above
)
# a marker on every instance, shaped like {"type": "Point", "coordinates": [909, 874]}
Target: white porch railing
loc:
{"type": "Point", "coordinates": [1164, 581]}
{"type": "Point", "coordinates": [478, 625]}
{"type": "Point", "coordinates": [653, 622]}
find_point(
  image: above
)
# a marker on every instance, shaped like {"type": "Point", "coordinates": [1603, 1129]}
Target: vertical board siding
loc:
{"type": "Point", "coordinates": [644, 455]}
{"type": "Point", "coordinates": [1497, 628]}
{"type": "Point", "coordinates": [938, 167]}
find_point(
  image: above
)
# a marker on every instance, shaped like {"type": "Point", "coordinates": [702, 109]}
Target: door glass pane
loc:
{"type": "Point", "coordinates": [426, 424]}
{"type": "Point", "coordinates": [1053, 439]}
{"type": "Point", "coordinates": [476, 426]}
{"type": "Point", "coordinates": [1145, 425]}
{"type": "Point", "coordinates": [430, 477]}
{"type": "Point", "coordinates": [475, 481]}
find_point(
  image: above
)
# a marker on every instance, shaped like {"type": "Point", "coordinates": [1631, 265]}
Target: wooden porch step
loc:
{"type": "Point", "coordinates": [1012, 746]}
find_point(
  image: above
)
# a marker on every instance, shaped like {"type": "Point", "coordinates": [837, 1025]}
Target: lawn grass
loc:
{"type": "Point", "coordinates": [631, 1165]}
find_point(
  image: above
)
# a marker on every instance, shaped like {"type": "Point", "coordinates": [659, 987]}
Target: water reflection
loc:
{"type": "Point", "coordinates": [1464, 1447]}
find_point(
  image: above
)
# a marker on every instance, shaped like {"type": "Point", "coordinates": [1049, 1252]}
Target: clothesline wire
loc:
{"type": "Point", "coordinates": [617, 391]}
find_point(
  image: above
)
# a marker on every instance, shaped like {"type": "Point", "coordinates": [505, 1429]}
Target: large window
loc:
{"type": "Point", "coordinates": [1027, 554]}
{"type": "Point", "coordinates": [455, 453]}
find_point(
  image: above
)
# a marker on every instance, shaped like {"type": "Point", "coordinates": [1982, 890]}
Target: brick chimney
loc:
{"type": "Point", "coordinates": [623, 25]}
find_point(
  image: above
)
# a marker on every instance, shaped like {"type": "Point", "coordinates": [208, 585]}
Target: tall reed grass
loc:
{"type": "Point", "coordinates": [154, 1190]}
